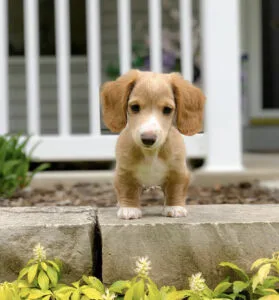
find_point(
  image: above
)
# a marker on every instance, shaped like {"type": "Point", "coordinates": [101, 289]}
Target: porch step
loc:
{"type": "Point", "coordinates": [96, 241]}
{"type": "Point", "coordinates": [180, 247]}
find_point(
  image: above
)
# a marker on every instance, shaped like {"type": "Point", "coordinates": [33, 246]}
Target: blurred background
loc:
{"type": "Point", "coordinates": [55, 55]}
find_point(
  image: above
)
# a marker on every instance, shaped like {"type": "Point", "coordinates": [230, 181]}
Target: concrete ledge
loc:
{"type": "Point", "coordinates": [84, 238]}
{"type": "Point", "coordinates": [66, 233]}
{"type": "Point", "coordinates": [181, 247]}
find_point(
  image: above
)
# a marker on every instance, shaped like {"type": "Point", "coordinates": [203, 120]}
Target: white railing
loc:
{"type": "Point", "coordinates": [4, 105]}
{"type": "Point", "coordinates": [221, 144]}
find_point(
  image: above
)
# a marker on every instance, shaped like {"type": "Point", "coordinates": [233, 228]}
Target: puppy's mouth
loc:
{"type": "Point", "coordinates": [148, 143]}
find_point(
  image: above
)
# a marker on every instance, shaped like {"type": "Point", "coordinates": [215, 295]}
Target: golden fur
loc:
{"type": "Point", "coordinates": [152, 93]}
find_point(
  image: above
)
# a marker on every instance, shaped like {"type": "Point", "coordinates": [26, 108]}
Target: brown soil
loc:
{"type": "Point", "coordinates": [102, 195]}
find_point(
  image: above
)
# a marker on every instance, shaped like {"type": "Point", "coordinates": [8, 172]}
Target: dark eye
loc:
{"type": "Point", "coordinates": [135, 108]}
{"type": "Point", "coordinates": [167, 110]}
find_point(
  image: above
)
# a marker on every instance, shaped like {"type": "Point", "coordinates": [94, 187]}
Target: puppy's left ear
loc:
{"type": "Point", "coordinates": [189, 105]}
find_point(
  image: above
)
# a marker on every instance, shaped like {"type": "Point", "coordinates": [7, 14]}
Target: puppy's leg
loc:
{"type": "Point", "coordinates": [175, 192]}
{"type": "Point", "coordinates": [128, 196]}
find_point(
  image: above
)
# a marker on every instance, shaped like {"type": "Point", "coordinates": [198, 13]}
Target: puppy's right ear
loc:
{"type": "Point", "coordinates": [114, 97]}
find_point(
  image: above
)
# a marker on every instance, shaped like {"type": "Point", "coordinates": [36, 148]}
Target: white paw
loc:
{"type": "Point", "coordinates": [175, 211]}
{"type": "Point", "coordinates": [128, 213]}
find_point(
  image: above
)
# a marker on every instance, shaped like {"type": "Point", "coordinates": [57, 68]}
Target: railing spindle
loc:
{"type": "Point", "coordinates": [32, 65]}
{"type": "Point", "coordinates": [62, 20]}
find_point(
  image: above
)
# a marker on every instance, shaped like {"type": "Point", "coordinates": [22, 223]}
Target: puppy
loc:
{"type": "Point", "coordinates": [151, 110]}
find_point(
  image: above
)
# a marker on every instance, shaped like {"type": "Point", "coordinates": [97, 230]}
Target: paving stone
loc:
{"type": "Point", "coordinates": [66, 233]}
{"type": "Point", "coordinates": [180, 247]}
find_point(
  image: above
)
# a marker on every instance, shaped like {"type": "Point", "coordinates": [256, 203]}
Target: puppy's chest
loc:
{"type": "Point", "coordinates": [151, 172]}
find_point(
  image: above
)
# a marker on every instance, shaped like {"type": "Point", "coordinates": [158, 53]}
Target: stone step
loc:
{"type": "Point", "coordinates": [180, 247]}
{"type": "Point", "coordinates": [66, 233]}
{"type": "Point", "coordinates": [90, 241]}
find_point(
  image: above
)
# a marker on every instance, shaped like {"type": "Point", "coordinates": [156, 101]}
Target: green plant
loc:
{"type": "Point", "coordinates": [40, 279]}
{"type": "Point", "coordinates": [262, 284]}
{"type": "Point", "coordinates": [9, 291]}
{"type": "Point", "coordinates": [15, 164]}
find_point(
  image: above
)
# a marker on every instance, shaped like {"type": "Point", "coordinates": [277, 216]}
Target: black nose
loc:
{"type": "Point", "coordinates": [148, 139]}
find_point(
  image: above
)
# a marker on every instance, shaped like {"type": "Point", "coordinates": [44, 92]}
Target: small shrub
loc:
{"type": "Point", "coordinates": [40, 279]}
{"type": "Point", "coordinates": [15, 165]}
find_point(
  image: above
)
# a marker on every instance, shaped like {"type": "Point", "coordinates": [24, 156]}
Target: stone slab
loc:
{"type": "Point", "coordinates": [66, 233]}
{"type": "Point", "coordinates": [180, 247]}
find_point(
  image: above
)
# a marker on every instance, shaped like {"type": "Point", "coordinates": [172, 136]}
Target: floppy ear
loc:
{"type": "Point", "coordinates": [114, 97]}
{"type": "Point", "coordinates": [189, 105]}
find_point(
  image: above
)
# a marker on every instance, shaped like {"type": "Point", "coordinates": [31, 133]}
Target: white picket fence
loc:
{"type": "Point", "coordinates": [221, 143]}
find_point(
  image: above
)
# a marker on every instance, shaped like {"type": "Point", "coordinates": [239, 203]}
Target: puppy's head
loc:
{"type": "Point", "coordinates": [149, 104]}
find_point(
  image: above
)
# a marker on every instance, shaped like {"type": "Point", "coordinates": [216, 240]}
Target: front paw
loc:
{"type": "Point", "coordinates": [128, 213]}
{"type": "Point", "coordinates": [175, 211]}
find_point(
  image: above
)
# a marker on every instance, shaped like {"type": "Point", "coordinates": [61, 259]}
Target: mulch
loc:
{"type": "Point", "coordinates": [102, 195]}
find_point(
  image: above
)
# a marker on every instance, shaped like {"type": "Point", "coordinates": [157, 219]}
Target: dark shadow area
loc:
{"type": "Point", "coordinates": [97, 252]}
{"type": "Point", "coordinates": [76, 166]}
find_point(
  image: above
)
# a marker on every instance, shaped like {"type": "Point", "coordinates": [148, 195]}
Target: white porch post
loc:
{"type": "Point", "coordinates": [4, 101]}
{"type": "Point", "coordinates": [221, 77]}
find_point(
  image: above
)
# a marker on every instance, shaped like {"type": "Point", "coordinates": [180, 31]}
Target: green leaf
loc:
{"type": "Point", "coordinates": [270, 297]}
{"type": "Point", "coordinates": [64, 289]}
{"type": "Point", "coordinates": [139, 289]}
{"type": "Point", "coordinates": [46, 297]}
{"type": "Point", "coordinates": [52, 275]}
{"type": "Point", "coordinates": [32, 272]}
{"type": "Point", "coordinates": [239, 286]}
{"type": "Point", "coordinates": [263, 272]}
{"type": "Point", "coordinates": [270, 281]}
{"type": "Point", "coordinates": [23, 284]}
{"type": "Point", "coordinates": [178, 295]}
{"type": "Point", "coordinates": [129, 294]}
{"type": "Point", "coordinates": [40, 168]}
{"type": "Point", "coordinates": [259, 262]}
{"type": "Point", "coordinates": [23, 272]}
{"type": "Point", "coordinates": [43, 280]}
{"type": "Point", "coordinates": [24, 292]}
{"type": "Point", "coordinates": [75, 295]}
{"type": "Point", "coordinates": [44, 265]}
{"type": "Point", "coordinates": [54, 264]}
{"type": "Point", "coordinates": [221, 288]}
{"type": "Point", "coordinates": [119, 286]}
{"type": "Point", "coordinates": [255, 282]}
{"type": "Point", "coordinates": [270, 291]}
{"type": "Point", "coordinates": [241, 273]}
{"type": "Point", "coordinates": [9, 165]}
{"type": "Point", "coordinates": [3, 151]}
{"type": "Point", "coordinates": [91, 292]}
{"type": "Point", "coordinates": [63, 294]}
{"type": "Point", "coordinates": [153, 291]}
{"type": "Point", "coordinates": [37, 294]}
{"type": "Point", "coordinates": [95, 283]}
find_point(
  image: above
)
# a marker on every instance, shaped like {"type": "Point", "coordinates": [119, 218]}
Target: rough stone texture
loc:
{"type": "Point", "coordinates": [180, 247]}
{"type": "Point", "coordinates": [66, 233]}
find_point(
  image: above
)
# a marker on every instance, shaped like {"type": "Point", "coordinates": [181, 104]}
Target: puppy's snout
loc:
{"type": "Point", "coordinates": [148, 138]}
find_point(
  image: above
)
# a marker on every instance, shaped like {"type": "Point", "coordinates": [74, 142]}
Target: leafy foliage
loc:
{"type": "Point", "coordinates": [15, 164]}
{"type": "Point", "coordinates": [40, 279]}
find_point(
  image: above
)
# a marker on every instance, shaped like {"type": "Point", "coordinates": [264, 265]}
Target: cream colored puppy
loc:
{"type": "Point", "coordinates": [151, 110]}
